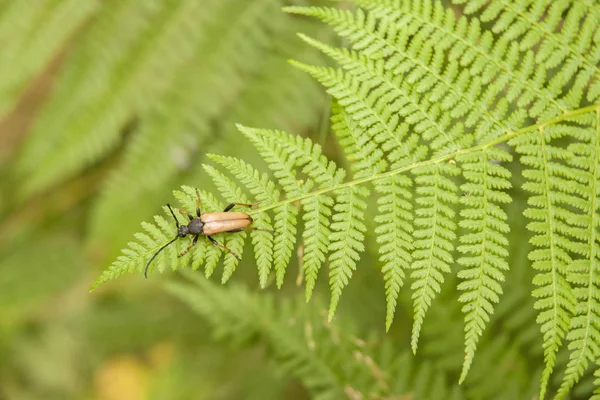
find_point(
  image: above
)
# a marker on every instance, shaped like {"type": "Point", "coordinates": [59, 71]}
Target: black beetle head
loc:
{"type": "Point", "coordinates": [182, 231]}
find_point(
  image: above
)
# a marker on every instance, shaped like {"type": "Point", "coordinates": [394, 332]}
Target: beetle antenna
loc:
{"type": "Point", "coordinates": [155, 254]}
{"type": "Point", "coordinates": [174, 217]}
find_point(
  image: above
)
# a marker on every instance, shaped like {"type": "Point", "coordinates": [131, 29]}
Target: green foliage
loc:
{"type": "Point", "coordinates": [484, 246]}
{"type": "Point", "coordinates": [204, 65]}
{"type": "Point", "coordinates": [328, 359]}
{"type": "Point", "coordinates": [31, 37]}
{"type": "Point", "coordinates": [451, 123]}
{"type": "Point", "coordinates": [422, 91]}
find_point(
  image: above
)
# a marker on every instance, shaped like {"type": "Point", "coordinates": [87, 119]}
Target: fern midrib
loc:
{"type": "Point", "coordinates": [501, 139]}
{"type": "Point", "coordinates": [547, 33]}
{"type": "Point", "coordinates": [507, 70]}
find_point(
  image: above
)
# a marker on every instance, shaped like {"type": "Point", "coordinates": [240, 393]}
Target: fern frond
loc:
{"type": "Point", "coordinates": [394, 235]}
{"type": "Point", "coordinates": [280, 161]}
{"type": "Point", "coordinates": [204, 252]}
{"type": "Point", "coordinates": [264, 190]}
{"type": "Point", "coordinates": [229, 190]}
{"type": "Point", "coordinates": [394, 222]}
{"type": "Point", "coordinates": [421, 63]}
{"type": "Point", "coordinates": [284, 152]}
{"type": "Point", "coordinates": [549, 217]}
{"type": "Point", "coordinates": [79, 126]}
{"type": "Point", "coordinates": [427, 100]}
{"type": "Point", "coordinates": [326, 358]}
{"type": "Point", "coordinates": [434, 226]}
{"type": "Point", "coordinates": [31, 38]}
{"type": "Point", "coordinates": [434, 235]}
{"type": "Point", "coordinates": [317, 209]}
{"type": "Point", "coordinates": [564, 38]}
{"type": "Point", "coordinates": [315, 238]}
{"type": "Point", "coordinates": [132, 258]}
{"type": "Point", "coordinates": [346, 240]}
{"type": "Point", "coordinates": [596, 395]}
{"type": "Point", "coordinates": [347, 229]}
{"type": "Point", "coordinates": [180, 119]}
{"type": "Point", "coordinates": [484, 247]}
{"type": "Point", "coordinates": [384, 124]}
{"type": "Point", "coordinates": [365, 157]}
{"type": "Point", "coordinates": [584, 274]}
{"type": "Point", "coordinates": [477, 52]}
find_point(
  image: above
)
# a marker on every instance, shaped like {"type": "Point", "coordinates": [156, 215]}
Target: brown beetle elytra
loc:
{"type": "Point", "coordinates": [208, 224]}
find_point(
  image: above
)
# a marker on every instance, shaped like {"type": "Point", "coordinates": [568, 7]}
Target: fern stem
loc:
{"type": "Point", "coordinates": [500, 139]}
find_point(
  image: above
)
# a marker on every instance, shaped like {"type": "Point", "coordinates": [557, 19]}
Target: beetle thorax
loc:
{"type": "Point", "coordinates": [195, 227]}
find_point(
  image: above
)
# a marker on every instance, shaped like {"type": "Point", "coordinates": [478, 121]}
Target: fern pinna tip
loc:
{"type": "Point", "coordinates": [295, 10]}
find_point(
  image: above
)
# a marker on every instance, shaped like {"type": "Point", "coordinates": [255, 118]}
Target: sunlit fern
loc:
{"type": "Point", "coordinates": [429, 110]}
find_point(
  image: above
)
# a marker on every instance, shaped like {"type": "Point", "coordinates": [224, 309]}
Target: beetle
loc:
{"type": "Point", "coordinates": [209, 224]}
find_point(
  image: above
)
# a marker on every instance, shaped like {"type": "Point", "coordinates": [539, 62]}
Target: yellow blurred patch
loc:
{"type": "Point", "coordinates": [121, 378]}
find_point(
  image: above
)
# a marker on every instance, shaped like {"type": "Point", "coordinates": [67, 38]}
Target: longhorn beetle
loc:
{"type": "Point", "coordinates": [210, 224]}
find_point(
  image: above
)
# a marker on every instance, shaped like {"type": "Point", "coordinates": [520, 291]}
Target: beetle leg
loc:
{"type": "Point", "coordinates": [213, 241]}
{"type": "Point", "coordinates": [249, 205]}
{"type": "Point", "coordinates": [182, 211]}
{"type": "Point", "coordinates": [183, 253]}
{"type": "Point", "coordinates": [198, 213]}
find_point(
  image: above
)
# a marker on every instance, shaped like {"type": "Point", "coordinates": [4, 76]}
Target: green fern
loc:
{"type": "Point", "coordinates": [328, 359]}
{"type": "Point", "coordinates": [484, 246]}
{"type": "Point", "coordinates": [81, 137]}
{"type": "Point", "coordinates": [426, 101]}
{"type": "Point", "coordinates": [182, 119]}
{"type": "Point", "coordinates": [583, 273]}
{"type": "Point", "coordinates": [31, 36]}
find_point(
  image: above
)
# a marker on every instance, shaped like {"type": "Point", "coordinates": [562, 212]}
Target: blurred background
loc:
{"type": "Point", "coordinates": [105, 108]}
